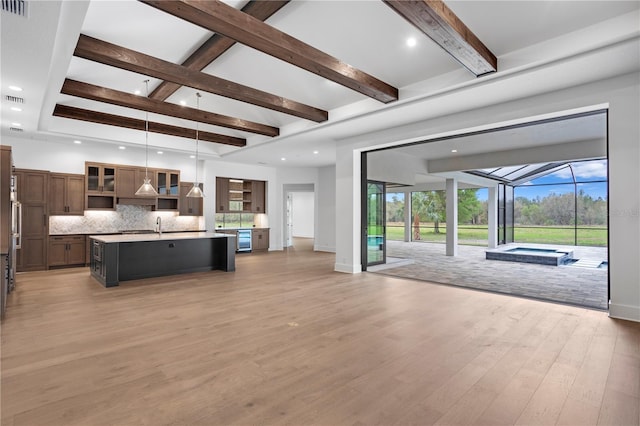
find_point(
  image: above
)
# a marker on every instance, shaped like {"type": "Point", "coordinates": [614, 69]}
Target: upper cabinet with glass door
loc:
{"type": "Point", "coordinates": [100, 186]}
{"type": "Point", "coordinates": [168, 183]}
{"type": "Point", "coordinates": [168, 187]}
{"type": "Point", "coordinates": [101, 178]}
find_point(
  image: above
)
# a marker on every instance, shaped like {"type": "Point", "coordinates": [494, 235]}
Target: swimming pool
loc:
{"type": "Point", "coordinates": [542, 256]}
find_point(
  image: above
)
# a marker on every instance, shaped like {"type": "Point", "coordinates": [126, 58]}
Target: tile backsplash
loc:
{"type": "Point", "coordinates": [125, 218]}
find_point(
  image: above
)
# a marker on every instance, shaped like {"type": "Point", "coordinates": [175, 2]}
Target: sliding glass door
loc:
{"type": "Point", "coordinates": [375, 225]}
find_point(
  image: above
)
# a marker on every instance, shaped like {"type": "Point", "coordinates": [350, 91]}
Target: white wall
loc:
{"type": "Point", "coordinates": [303, 211]}
{"type": "Point", "coordinates": [347, 211]}
{"type": "Point", "coordinates": [325, 235]}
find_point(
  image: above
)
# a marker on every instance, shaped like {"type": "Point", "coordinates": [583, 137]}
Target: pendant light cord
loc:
{"type": "Point", "coordinates": [197, 134]}
{"type": "Point", "coordinates": [146, 136]}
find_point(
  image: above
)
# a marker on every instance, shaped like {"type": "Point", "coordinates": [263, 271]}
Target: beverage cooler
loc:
{"type": "Point", "coordinates": [244, 240]}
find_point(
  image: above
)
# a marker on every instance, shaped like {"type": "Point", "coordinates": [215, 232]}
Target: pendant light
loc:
{"type": "Point", "coordinates": [146, 189]}
{"type": "Point", "coordinates": [195, 191]}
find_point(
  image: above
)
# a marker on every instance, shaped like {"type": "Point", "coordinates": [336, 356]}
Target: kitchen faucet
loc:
{"type": "Point", "coordinates": [159, 223]}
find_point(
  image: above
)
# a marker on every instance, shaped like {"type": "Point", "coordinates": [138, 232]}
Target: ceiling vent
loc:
{"type": "Point", "coordinates": [14, 99]}
{"type": "Point", "coordinates": [16, 129]}
{"type": "Point", "coordinates": [16, 7]}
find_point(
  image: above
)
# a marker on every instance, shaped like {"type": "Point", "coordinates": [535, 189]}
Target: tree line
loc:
{"type": "Point", "coordinates": [551, 210]}
{"type": "Point", "coordinates": [560, 210]}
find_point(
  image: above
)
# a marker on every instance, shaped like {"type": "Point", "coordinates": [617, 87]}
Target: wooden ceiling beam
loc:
{"type": "Point", "coordinates": [136, 124]}
{"type": "Point", "coordinates": [221, 18]}
{"type": "Point", "coordinates": [120, 57]}
{"type": "Point", "coordinates": [216, 45]}
{"type": "Point", "coordinates": [439, 23]}
{"type": "Point", "coordinates": [115, 97]}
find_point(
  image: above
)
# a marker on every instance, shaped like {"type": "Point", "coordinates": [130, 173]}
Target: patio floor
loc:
{"type": "Point", "coordinates": [572, 285]}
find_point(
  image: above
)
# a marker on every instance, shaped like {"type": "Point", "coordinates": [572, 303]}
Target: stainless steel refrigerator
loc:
{"type": "Point", "coordinates": [9, 226]}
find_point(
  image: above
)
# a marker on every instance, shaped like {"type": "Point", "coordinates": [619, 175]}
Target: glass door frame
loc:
{"type": "Point", "coordinates": [364, 216]}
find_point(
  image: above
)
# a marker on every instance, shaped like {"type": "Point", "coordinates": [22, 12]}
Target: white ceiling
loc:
{"type": "Point", "coordinates": [572, 129]}
{"type": "Point", "coordinates": [37, 55]}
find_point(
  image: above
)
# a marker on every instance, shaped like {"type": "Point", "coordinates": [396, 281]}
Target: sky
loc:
{"type": "Point", "coordinates": [594, 170]}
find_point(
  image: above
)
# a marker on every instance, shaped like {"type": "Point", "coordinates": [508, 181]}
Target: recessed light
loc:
{"type": "Point", "coordinates": [316, 152]}
{"type": "Point", "coordinates": [183, 103]}
{"type": "Point", "coordinates": [122, 147]}
{"type": "Point", "coordinates": [411, 42]}
{"type": "Point", "coordinates": [454, 150]}
{"type": "Point", "coordinates": [16, 124]}
{"type": "Point", "coordinates": [192, 156]}
{"type": "Point", "coordinates": [283, 159]}
{"type": "Point", "coordinates": [16, 109]}
{"type": "Point", "coordinates": [137, 92]}
{"type": "Point", "coordinates": [160, 152]}
{"type": "Point", "coordinates": [16, 88]}
{"type": "Point", "coordinates": [77, 142]}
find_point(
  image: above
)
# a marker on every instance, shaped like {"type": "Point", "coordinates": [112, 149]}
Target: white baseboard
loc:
{"type": "Point", "coordinates": [625, 312]}
{"type": "Point", "coordinates": [324, 248]}
{"type": "Point", "coordinates": [348, 269]}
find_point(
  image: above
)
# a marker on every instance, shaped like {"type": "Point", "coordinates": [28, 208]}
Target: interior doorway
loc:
{"type": "Point", "coordinates": [299, 217]}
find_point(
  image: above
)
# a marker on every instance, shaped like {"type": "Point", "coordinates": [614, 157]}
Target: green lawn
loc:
{"type": "Point", "coordinates": [478, 235]}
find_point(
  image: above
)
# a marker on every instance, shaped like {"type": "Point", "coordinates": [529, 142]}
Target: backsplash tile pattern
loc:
{"type": "Point", "coordinates": [125, 218]}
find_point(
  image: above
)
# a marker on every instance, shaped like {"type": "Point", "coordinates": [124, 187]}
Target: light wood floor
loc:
{"type": "Point", "coordinates": [284, 340]}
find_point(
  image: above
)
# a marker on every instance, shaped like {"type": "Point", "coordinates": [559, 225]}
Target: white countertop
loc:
{"type": "Point", "coordinates": [129, 238]}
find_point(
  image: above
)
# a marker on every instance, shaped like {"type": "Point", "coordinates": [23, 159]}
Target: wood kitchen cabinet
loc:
{"type": "Point", "coordinates": [100, 186]}
{"type": "Point", "coordinates": [33, 186]}
{"type": "Point", "coordinates": [260, 239]}
{"type": "Point", "coordinates": [222, 195]}
{"type": "Point", "coordinates": [87, 250]}
{"type": "Point", "coordinates": [130, 178]}
{"type": "Point", "coordinates": [101, 178]}
{"type": "Point", "coordinates": [168, 187]}
{"type": "Point", "coordinates": [33, 194]}
{"type": "Point", "coordinates": [189, 206]}
{"type": "Point", "coordinates": [67, 250]}
{"type": "Point", "coordinates": [240, 196]}
{"type": "Point", "coordinates": [258, 196]}
{"type": "Point", "coordinates": [168, 182]}
{"type": "Point", "coordinates": [66, 194]}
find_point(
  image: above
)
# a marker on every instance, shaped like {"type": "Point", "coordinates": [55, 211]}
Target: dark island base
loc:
{"type": "Point", "coordinates": [124, 261]}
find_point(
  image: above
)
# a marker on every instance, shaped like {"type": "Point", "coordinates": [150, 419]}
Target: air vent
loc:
{"type": "Point", "coordinates": [16, 129]}
{"type": "Point", "coordinates": [16, 7]}
{"type": "Point", "coordinates": [14, 99]}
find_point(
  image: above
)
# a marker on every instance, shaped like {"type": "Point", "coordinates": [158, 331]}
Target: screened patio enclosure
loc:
{"type": "Point", "coordinates": [540, 184]}
{"type": "Point", "coordinates": [560, 205]}
{"type": "Point", "coordinates": [552, 203]}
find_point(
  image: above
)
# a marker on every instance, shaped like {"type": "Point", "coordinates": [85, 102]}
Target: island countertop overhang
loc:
{"type": "Point", "coordinates": [129, 238]}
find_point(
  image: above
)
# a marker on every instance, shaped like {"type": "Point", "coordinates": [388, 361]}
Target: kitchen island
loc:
{"type": "Point", "coordinates": [116, 258]}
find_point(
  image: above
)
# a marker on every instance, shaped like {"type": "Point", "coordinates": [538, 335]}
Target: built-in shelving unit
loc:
{"type": "Point", "coordinates": [240, 195]}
